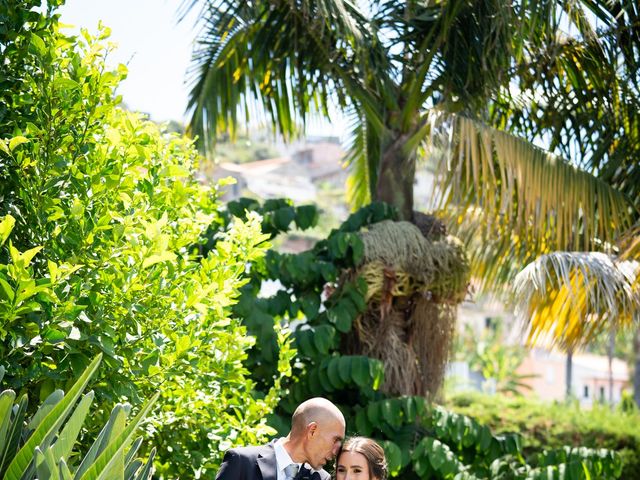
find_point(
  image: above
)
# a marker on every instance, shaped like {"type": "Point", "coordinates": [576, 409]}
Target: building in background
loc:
{"type": "Point", "coordinates": [589, 378]}
{"type": "Point", "coordinates": [296, 175]}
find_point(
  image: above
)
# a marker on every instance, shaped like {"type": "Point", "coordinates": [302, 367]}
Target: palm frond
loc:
{"type": "Point", "coordinates": [568, 297]}
{"type": "Point", "coordinates": [629, 245]}
{"type": "Point", "coordinates": [283, 60]}
{"type": "Point", "coordinates": [581, 93]}
{"type": "Point", "coordinates": [528, 201]}
{"type": "Point", "coordinates": [361, 160]}
{"type": "Point", "coordinates": [510, 202]}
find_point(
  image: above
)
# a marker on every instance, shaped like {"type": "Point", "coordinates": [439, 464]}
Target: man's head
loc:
{"type": "Point", "coordinates": [317, 430]}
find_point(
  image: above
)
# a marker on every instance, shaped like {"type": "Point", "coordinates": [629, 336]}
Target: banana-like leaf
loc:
{"type": "Point", "coordinates": [67, 438]}
{"type": "Point", "coordinates": [40, 460]}
{"type": "Point", "coordinates": [115, 468]}
{"type": "Point", "coordinates": [51, 401]}
{"type": "Point", "coordinates": [132, 467]}
{"type": "Point", "coordinates": [45, 465]}
{"type": "Point", "coordinates": [2, 371]}
{"type": "Point", "coordinates": [133, 450]}
{"type": "Point", "coordinates": [108, 456]}
{"type": "Point", "coordinates": [108, 434]}
{"type": "Point", "coordinates": [6, 405]}
{"type": "Point", "coordinates": [147, 471]}
{"type": "Point", "coordinates": [51, 423]}
{"type": "Point", "coordinates": [13, 435]}
{"type": "Point", "coordinates": [65, 473]}
{"type": "Point", "coordinates": [568, 297]}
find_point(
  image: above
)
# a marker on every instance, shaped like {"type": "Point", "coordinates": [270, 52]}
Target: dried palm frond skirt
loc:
{"type": "Point", "coordinates": [414, 283]}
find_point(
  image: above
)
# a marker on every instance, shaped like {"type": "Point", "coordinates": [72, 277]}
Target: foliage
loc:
{"type": "Point", "coordinates": [42, 447]}
{"type": "Point", "coordinates": [495, 360]}
{"type": "Point", "coordinates": [392, 67]}
{"type": "Point", "coordinates": [246, 148]}
{"type": "Point", "coordinates": [546, 295]}
{"type": "Point", "coordinates": [510, 202]}
{"type": "Point", "coordinates": [106, 255]}
{"type": "Point", "coordinates": [421, 440]}
{"type": "Point", "coordinates": [410, 74]}
{"type": "Point", "coordinates": [544, 425]}
{"type": "Point", "coordinates": [583, 98]}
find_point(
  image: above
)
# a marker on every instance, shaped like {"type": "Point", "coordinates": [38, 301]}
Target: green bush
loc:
{"type": "Point", "coordinates": [551, 425]}
{"type": "Point", "coordinates": [42, 447]}
{"type": "Point", "coordinates": [421, 440]}
{"type": "Point", "coordinates": [107, 219]}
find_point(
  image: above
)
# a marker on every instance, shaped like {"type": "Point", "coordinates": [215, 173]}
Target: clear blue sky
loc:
{"type": "Point", "coordinates": [156, 49]}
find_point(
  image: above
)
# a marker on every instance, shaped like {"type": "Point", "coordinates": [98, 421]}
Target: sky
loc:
{"type": "Point", "coordinates": [157, 51]}
{"type": "Point", "coordinates": [151, 42]}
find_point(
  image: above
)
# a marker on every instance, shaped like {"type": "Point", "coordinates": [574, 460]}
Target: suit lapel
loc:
{"type": "Point", "coordinates": [267, 463]}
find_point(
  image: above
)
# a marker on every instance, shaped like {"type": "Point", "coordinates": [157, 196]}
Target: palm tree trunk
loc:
{"type": "Point", "coordinates": [610, 350]}
{"type": "Point", "coordinates": [395, 179]}
{"type": "Point", "coordinates": [569, 374]}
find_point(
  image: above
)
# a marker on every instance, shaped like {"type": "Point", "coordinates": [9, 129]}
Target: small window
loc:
{"type": "Point", "coordinates": [602, 393]}
{"type": "Point", "coordinates": [586, 391]}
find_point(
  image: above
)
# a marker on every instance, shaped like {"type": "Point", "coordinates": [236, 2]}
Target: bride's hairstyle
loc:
{"type": "Point", "coordinates": [371, 451]}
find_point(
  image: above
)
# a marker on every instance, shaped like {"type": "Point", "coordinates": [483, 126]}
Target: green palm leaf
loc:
{"type": "Point", "coordinates": [511, 201]}
{"type": "Point", "coordinates": [359, 160]}
{"type": "Point", "coordinates": [274, 59]}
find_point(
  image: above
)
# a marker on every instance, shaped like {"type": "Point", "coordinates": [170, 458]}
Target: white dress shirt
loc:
{"type": "Point", "coordinates": [283, 459]}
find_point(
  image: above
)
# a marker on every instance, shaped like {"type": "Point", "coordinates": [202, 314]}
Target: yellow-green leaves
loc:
{"type": "Point", "coordinates": [6, 225]}
{"type": "Point", "coordinates": [104, 188]}
{"type": "Point", "coordinates": [515, 201]}
{"type": "Point", "coordinates": [565, 298]}
{"type": "Point", "coordinates": [16, 141]}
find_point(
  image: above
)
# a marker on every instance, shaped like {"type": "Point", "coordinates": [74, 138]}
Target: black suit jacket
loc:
{"type": "Point", "coordinates": [258, 463]}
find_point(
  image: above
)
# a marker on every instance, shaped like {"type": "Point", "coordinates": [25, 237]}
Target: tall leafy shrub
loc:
{"type": "Point", "coordinates": [112, 207]}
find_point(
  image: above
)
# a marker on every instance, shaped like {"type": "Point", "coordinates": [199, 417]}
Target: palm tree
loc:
{"type": "Point", "coordinates": [569, 297]}
{"type": "Point", "coordinates": [593, 87]}
{"type": "Point", "coordinates": [390, 65]}
{"type": "Point", "coordinates": [415, 77]}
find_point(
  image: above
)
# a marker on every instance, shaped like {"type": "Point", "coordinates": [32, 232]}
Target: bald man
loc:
{"type": "Point", "coordinates": [317, 431]}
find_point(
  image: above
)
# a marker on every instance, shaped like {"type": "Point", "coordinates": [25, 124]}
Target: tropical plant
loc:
{"type": "Point", "coordinates": [387, 63]}
{"type": "Point", "coordinates": [42, 446]}
{"type": "Point", "coordinates": [416, 78]}
{"type": "Point", "coordinates": [324, 303]}
{"type": "Point", "coordinates": [583, 97]}
{"type": "Point", "coordinates": [563, 293]}
{"type": "Point", "coordinates": [107, 221]}
{"type": "Point", "coordinates": [496, 360]}
{"type": "Point", "coordinates": [548, 426]}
